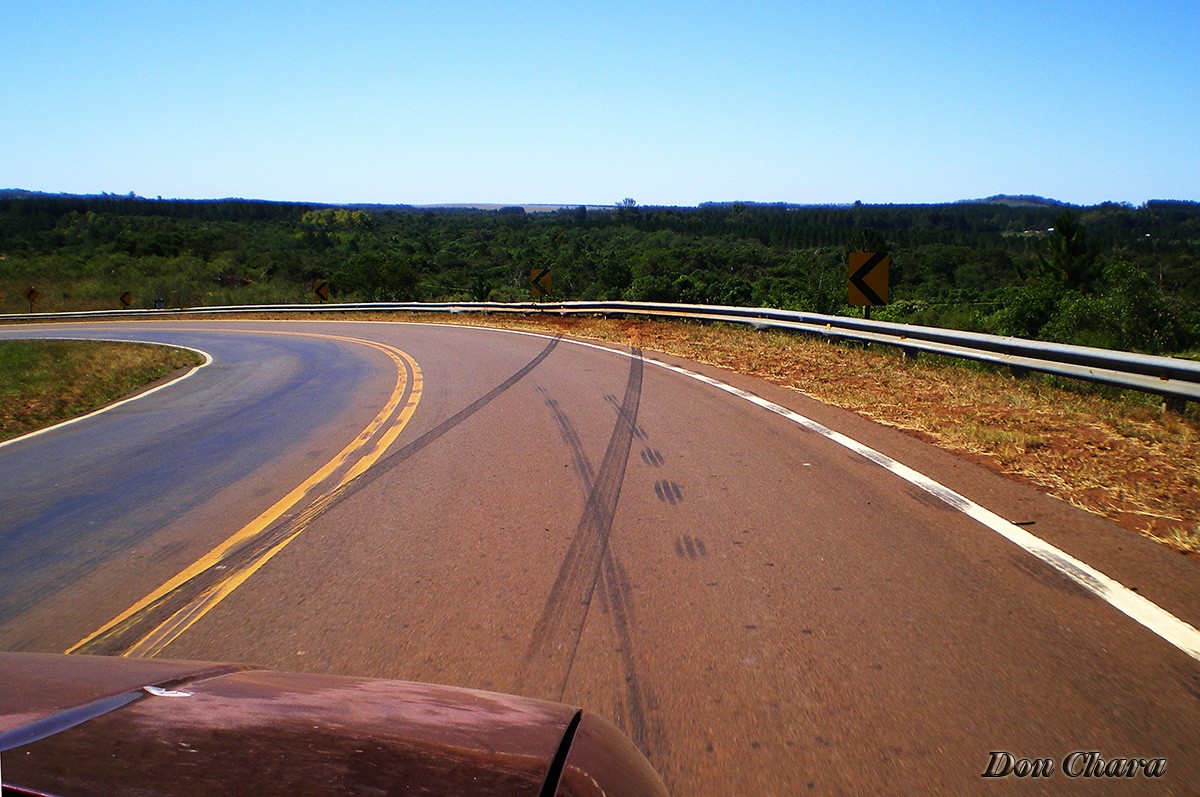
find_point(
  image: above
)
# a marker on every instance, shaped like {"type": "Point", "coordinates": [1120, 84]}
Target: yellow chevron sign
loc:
{"type": "Point", "coordinates": [869, 278]}
{"type": "Point", "coordinates": [539, 283]}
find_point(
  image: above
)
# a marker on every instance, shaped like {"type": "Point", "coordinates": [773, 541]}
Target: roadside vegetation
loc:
{"type": "Point", "coordinates": [1111, 275]}
{"type": "Point", "coordinates": [43, 382]}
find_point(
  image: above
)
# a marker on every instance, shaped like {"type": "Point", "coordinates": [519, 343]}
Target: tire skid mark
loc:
{"type": "Point", "coordinates": [172, 610]}
{"type": "Point", "coordinates": [1176, 632]}
{"type": "Point", "coordinates": [668, 492]}
{"type": "Point", "coordinates": [615, 598]}
{"type": "Point", "coordinates": [123, 639]}
{"type": "Point", "coordinates": [623, 413]}
{"type": "Point", "coordinates": [555, 640]}
{"type": "Point", "coordinates": [160, 617]}
{"type": "Point", "coordinates": [570, 436]}
{"type": "Point", "coordinates": [407, 451]}
{"type": "Point", "coordinates": [689, 547]}
{"type": "Point", "coordinates": [653, 457]}
{"type": "Point", "coordinates": [641, 725]}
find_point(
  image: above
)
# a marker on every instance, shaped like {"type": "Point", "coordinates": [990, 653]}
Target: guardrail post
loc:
{"type": "Point", "coordinates": [1176, 404]}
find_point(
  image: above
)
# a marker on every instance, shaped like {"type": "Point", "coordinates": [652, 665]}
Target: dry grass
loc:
{"type": "Point", "coordinates": [1115, 454]}
{"type": "Point", "coordinates": [46, 381]}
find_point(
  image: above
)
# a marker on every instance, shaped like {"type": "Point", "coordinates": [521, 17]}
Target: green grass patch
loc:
{"type": "Point", "coordinates": [43, 382]}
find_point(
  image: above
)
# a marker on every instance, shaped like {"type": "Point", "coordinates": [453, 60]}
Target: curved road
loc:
{"type": "Point", "coordinates": [763, 610]}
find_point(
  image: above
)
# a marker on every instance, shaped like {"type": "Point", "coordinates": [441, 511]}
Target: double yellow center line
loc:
{"type": "Point", "coordinates": [144, 621]}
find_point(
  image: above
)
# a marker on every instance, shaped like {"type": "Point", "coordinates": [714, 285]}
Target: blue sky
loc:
{"type": "Point", "coordinates": [590, 102]}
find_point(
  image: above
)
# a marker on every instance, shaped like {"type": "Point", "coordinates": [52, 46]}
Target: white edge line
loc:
{"type": "Point", "coordinates": [1179, 633]}
{"type": "Point", "coordinates": [1140, 609]}
{"type": "Point", "coordinates": [207, 361]}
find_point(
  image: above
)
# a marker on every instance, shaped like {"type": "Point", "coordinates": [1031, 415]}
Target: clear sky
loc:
{"type": "Point", "coordinates": [589, 102]}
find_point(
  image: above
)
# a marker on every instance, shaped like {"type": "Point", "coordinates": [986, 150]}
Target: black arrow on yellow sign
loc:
{"type": "Point", "coordinates": [127, 299]}
{"type": "Point", "coordinates": [539, 282]}
{"type": "Point", "coordinates": [321, 289]}
{"type": "Point", "coordinates": [869, 278]}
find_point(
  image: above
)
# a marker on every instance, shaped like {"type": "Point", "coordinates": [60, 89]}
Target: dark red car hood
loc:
{"type": "Point", "coordinates": [94, 725]}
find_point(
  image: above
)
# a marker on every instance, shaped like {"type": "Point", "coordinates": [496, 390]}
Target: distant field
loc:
{"type": "Point", "coordinates": [43, 382]}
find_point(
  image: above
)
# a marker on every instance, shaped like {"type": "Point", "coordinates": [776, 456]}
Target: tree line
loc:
{"type": "Point", "coordinates": [1110, 275]}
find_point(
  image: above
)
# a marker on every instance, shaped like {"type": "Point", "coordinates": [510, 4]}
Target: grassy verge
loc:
{"type": "Point", "coordinates": [43, 382]}
{"type": "Point", "coordinates": [1113, 453]}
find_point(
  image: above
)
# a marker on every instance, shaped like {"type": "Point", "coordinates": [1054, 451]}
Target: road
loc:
{"type": "Point", "coordinates": [763, 610]}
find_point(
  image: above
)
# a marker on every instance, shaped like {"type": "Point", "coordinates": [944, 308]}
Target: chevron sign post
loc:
{"type": "Point", "coordinates": [869, 279]}
{"type": "Point", "coordinates": [539, 283]}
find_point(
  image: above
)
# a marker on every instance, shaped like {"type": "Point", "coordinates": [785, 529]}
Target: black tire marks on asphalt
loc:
{"type": "Point", "coordinates": [653, 457]}
{"type": "Point", "coordinates": [668, 492]}
{"type": "Point", "coordinates": [583, 467]}
{"type": "Point", "coordinates": [643, 726]}
{"type": "Point", "coordinates": [623, 413]}
{"type": "Point", "coordinates": [556, 635]}
{"type": "Point", "coordinates": [121, 638]}
{"type": "Point", "coordinates": [421, 442]}
{"type": "Point", "coordinates": [688, 547]}
{"type": "Point", "coordinates": [589, 563]}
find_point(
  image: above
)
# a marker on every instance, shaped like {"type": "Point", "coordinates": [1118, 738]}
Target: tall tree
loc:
{"type": "Point", "coordinates": [1071, 261]}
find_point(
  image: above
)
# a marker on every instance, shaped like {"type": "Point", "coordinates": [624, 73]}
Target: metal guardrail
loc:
{"type": "Point", "coordinates": [1176, 380]}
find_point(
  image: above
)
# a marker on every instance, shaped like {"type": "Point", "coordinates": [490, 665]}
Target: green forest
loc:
{"type": "Point", "coordinates": [1111, 275]}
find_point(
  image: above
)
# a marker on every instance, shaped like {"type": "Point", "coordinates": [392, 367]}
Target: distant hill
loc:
{"type": "Point", "coordinates": [1007, 200]}
{"type": "Point", "coordinates": [21, 193]}
{"type": "Point", "coordinates": [534, 208]}
{"type": "Point", "coordinates": [1020, 201]}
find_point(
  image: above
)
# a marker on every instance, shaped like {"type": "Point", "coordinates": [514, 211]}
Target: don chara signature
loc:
{"type": "Point", "coordinates": [1079, 764]}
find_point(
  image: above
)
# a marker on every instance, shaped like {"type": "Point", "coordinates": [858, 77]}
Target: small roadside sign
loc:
{"type": "Point", "coordinates": [869, 278]}
{"type": "Point", "coordinates": [32, 295]}
{"type": "Point", "coordinates": [321, 289]}
{"type": "Point", "coordinates": [539, 283]}
{"type": "Point", "coordinates": [127, 299]}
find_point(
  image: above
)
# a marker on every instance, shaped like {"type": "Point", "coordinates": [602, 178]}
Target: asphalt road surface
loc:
{"type": "Point", "coordinates": [762, 609]}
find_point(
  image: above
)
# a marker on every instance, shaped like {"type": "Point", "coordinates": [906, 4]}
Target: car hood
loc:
{"type": "Point", "coordinates": [95, 725]}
